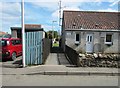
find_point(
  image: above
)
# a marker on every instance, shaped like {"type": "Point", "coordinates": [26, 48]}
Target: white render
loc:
{"type": "Point", "coordinates": [99, 38]}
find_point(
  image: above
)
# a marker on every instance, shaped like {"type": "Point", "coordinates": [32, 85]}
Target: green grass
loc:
{"type": "Point", "coordinates": [55, 45]}
{"type": "Point", "coordinates": [0, 60]}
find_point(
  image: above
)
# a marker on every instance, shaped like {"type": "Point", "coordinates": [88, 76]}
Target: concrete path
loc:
{"type": "Point", "coordinates": [52, 59]}
{"type": "Point", "coordinates": [62, 59]}
{"type": "Point", "coordinates": [57, 57]}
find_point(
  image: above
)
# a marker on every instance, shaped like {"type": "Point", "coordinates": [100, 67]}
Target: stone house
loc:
{"type": "Point", "coordinates": [91, 32]}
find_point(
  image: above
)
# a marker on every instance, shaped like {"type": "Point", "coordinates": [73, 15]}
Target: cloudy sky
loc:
{"type": "Point", "coordinates": [44, 12]}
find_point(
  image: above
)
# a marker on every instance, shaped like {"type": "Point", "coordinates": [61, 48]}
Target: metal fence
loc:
{"type": "Point", "coordinates": [33, 47]}
{"type": "Point", "coordinates": [72, 55]}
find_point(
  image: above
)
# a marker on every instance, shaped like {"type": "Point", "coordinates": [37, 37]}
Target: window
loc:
{"type": "Point", "coordinates": [4, 43]}
{"type": "Point", "coordinates": [108, 39]}
{"type": "Point", "coordinates": [13, 42]}
{"type": "Point", "coordinates": [77, 38]}
{"type": "Point", "coordinates": [16, 42]}
{"type": "Point", "coordinates": [89, 38]}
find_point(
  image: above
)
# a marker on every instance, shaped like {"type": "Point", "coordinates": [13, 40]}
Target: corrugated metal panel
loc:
{"type": "Point", "coordinates": [33, 47]}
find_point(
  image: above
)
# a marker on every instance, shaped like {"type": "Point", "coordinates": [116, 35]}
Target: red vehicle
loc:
{"type": "Point", "coordinates": [11, 48]}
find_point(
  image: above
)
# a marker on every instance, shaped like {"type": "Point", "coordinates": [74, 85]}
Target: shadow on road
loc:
{"type": "Point", "coordinates": [13, 64]}
{"type": "Point", "coordinates": [56, 50]}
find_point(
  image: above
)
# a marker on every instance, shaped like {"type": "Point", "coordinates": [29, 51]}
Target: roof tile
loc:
{"type": "Point", "coordinates": [90, 20]}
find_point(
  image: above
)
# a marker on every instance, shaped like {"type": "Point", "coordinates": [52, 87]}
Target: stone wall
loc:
{"type": "Point", "coordinates": [99, 60]}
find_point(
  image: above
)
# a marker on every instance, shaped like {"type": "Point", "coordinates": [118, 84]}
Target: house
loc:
{"type": "Point", "coordinates": [91, 32]}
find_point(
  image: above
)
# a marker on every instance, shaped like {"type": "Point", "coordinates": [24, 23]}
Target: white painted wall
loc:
{"type": "Point", "coordinates": [113, 48]}
{"type": "Point", "coordinates": [70, 41]}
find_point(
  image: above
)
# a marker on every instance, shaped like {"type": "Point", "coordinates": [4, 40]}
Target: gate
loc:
{"type": "Point", "coordinates": [33, 47]}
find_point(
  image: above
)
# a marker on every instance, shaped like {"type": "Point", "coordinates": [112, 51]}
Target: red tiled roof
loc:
{"type": "Point", "coordinates": [32, 26]}
{"type": "Point", "coordinates": [29, 27]}
{"type": "Point", "coordinates": [2, 33]}
{"type": "Point", "coordinates": [90, 20]}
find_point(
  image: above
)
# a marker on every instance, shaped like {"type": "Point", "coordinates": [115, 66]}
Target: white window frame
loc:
{"type": "Point", "coordinates": [109, 43]}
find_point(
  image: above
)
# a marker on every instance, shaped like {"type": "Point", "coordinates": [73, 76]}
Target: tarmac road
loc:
{"type": "Point", "coordinates": [52, 80]}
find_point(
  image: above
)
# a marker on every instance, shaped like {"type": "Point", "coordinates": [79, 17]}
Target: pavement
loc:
{"type": "Point", "coordinates": [60, 70]}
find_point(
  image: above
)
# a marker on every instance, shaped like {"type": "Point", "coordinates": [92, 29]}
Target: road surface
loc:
{"type": "Point", "coordinates": [52, 80]}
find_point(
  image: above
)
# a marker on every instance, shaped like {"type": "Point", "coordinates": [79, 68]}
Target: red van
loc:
{"type": "Point", "coordinates": [11, 48]}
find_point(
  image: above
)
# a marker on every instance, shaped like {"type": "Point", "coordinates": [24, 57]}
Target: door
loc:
{"type": "Point", "coordinates": [89, 43]}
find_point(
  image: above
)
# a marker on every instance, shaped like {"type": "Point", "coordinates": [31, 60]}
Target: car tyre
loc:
{"type": "Point", "coordinates": [13, 56]}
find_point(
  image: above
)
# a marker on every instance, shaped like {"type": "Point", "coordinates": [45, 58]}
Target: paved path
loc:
{"type": "Point", "coordinates": [52, 59]}
{"type": "Point", "coordinates": [57, 57]}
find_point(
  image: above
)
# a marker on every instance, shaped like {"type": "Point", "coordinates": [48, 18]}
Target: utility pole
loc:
{"type": "Point", "coordinates": [53, 28]}
{"type": "Point", "coordinates": [23, 32]}
{"type": "Point", "coordinates": [60, 13]}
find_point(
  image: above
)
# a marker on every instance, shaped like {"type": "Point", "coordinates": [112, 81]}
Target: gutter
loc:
{"type": "Point", "coordinates": [94, 30]}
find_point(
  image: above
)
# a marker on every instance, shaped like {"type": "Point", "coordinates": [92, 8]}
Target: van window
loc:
{"type": "Point", "coordinates": [13, 42]}
{"type": "Point", "coordinates": [3, 42]}
{"type": "Point", "coordinates": [16, 42]}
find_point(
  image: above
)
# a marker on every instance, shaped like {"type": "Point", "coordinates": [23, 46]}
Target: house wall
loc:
{"type": "Point", "coordinates": [14, 33]}
{"type": "Point", "coordinates": [114, 47]}
{"type": "Point", "coordinates": [99, 42]}
{"type": "Point", "coordinates": [119, 43]}
{"type": "Point", "coordinates": [70, 41]}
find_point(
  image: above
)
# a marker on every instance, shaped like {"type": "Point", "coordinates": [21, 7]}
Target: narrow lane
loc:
{"type": "Point", "coordinates": [62, 59]}
{"type": "Point", "coordinates": [52, 59]}
{"type": "Point", "coordinates": [57, 57]}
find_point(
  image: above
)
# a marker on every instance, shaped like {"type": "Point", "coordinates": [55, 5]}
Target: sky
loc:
{"type": "Point", "coordinates": [44, 12]}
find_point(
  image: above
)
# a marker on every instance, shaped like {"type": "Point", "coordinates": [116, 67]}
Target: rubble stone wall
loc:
{"type": "Point", "coordinates": [99, 60]}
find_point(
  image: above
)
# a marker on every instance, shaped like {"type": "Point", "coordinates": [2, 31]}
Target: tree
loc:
{"type": "Point", "coordinates": [50, 34]}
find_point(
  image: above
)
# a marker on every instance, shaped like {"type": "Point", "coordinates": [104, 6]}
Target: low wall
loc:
{"type": "Point", "coordinates": [99, 60]}
{"type": "Point", "coordinates": [72, 55]}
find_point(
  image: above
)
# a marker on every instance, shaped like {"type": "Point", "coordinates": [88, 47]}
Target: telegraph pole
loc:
{"type": "Point", "coordinates": [53, 28]}
{"type": "Point", "coordinates": [23, 32]}
{"type": "Point", "coordinates": [60, 13]}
